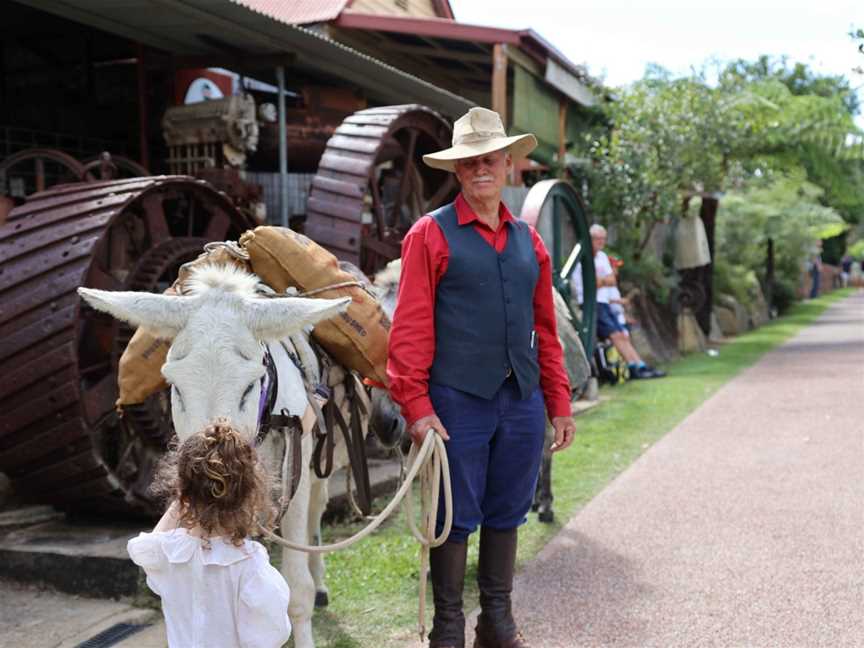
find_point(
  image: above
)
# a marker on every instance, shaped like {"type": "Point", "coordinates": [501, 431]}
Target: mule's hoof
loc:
{"type": "Point", "coordinates": [534, 507]}
{"type": "Point", "coordinates": [546, 515]}
{"type": "Point", "coordinates": [321, 600]}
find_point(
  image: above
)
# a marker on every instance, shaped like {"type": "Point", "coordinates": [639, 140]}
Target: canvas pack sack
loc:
{"type": "Point", "coordinates": [691, 243]}
{"type": "Point", "coordinates": [139, 372]}
{"type": "Point", "coordinates": [357, 338]}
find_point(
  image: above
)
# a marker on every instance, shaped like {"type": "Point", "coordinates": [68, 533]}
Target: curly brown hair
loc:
{"type": "Point", "coordinates": [219, 483]}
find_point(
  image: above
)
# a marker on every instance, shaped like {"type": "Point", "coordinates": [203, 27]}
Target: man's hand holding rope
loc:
{"type": "Point", "coordinates": [421, 426]}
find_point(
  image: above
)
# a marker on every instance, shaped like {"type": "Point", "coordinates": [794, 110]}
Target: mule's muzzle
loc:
{"type": "Point", "coordinates": [386, 421]}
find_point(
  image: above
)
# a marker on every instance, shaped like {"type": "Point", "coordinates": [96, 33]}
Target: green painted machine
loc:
{"type": "Point", "coordinates": [558, 214]}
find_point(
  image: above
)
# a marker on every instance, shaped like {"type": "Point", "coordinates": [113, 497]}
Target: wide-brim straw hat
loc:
{"type": "Point", "coordinates": [478, 132]}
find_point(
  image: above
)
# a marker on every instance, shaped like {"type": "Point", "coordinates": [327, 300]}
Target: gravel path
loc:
{"type": "Point", "coordinates": [744, 526]}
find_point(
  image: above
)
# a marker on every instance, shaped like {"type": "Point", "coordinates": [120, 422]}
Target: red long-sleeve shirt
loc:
{"type": "Point", "coordinates": [425, 254]}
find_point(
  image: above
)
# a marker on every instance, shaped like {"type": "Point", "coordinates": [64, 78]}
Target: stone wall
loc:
{"type": "Point", "coordinates": [653, 329]}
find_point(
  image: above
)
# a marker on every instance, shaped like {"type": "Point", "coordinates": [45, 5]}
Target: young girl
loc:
{"type": "Point", "coordinates": [217, 586]}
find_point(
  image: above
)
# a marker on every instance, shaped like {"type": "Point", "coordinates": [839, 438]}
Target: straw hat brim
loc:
{"type": "Point", "coordinates": [518, 146]}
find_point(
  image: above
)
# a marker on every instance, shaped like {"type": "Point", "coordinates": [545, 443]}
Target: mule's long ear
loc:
{"type": "Point", "coordinates": [274, 319]}
{"type": "Point", "coordinates": [164, 315]}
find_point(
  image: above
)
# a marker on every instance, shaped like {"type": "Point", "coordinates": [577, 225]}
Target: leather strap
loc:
{"type": "Point", "coordinates": [294, 424]}
{"type": "Point", "coordinates": [325, 442]}
{"type": "Point", "coordinates": [356, 446]}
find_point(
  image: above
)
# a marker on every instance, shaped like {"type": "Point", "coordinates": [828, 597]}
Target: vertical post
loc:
{"type": "Point", "coordinates": [562, 136]}
{"type": "Point", "coordinates": [499, 92]}
{"type": "Point", "coordinates": [143, 126]}
{"type": "Point", "coordinates": [172, 81]}
{"type": "Point", "coordinates": [283, 149]}
{"type": "Point", "coordinates": [499, 81]}
{"type": "Point", "coordinates": [708, 214]}
{"type": "Point", "coordinates": [769, 276]}
{"type": "Point", "coordinates": [4, 94]}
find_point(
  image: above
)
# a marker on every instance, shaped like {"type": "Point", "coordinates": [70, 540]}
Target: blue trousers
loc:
{"type": "Point", "coordinates": [495, 449]}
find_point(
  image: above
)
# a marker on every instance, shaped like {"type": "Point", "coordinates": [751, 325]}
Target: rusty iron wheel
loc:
{"type": "Point", "coordinates": [61, 440]}
{"type": "Point", "coordinates": [49, 167]}
{"type": "Point", "coordinates": [372, 185]}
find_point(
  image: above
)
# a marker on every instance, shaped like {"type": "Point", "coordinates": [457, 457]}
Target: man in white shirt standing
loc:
{"type": "Point", "coordinates": [609, 325]}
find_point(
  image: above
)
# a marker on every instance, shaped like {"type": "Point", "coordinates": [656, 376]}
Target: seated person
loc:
{"type": "Point", "coordinates": [610, 324]}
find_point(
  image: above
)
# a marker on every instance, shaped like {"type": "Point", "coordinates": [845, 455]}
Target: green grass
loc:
{"type": "Point", "coordinates": [373, 585]}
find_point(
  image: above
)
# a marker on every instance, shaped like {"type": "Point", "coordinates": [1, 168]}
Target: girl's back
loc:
{"type": "Point", "coordinates": [224, 596]}
{"type": "Point", "coordinates": [217, 586]}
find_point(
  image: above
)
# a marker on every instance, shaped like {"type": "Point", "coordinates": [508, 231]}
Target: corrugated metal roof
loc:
{"type": "Point", "coordinates": [296, 12]}
{"type": "Point", "coordinates": [328, 56]}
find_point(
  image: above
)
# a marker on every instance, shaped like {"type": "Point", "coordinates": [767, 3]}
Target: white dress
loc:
{"type": "Point", "coordinates": [217, 597]}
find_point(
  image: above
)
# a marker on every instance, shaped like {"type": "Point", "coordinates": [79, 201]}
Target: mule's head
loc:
{"type": "Point", "coordinates": [386, 420]}
{"type": "Point", "coordinates": [215, 363]}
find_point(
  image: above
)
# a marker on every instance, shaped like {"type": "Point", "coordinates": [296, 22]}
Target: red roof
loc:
{"type": "Point", "coordinates": [297, 13]}
{"type": "Point", "coordinates": [303, 12]}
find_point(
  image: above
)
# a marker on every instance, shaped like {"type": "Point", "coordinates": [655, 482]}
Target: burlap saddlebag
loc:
{"type": "Point", "coordinates": [357, 338]}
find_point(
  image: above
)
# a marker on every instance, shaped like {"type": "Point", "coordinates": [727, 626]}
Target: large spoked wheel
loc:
{"type": "Point", "coordinates": [34, 170]}
{"type": "Point", "coordinates": [372, 185]}
{"type": "Point", "coordinates": [557, 212]}
{"type": "Point", "coordinates": [61, 439]}
{"type": "Point", "coordinates": [38, 169]}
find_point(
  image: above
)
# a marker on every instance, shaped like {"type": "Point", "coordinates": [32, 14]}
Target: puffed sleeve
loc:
{"type": "Point", "coordinates": [263, 610]}
{"type": "Point", "coordinates": [146, 552]}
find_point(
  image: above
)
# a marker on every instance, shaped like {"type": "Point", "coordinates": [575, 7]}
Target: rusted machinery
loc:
{"type": "Point", "coordinates": [372, 185]}
{"type": "Point", "coordinates": [557, 212]}
{"type": "Point", "coordinates": [61, 440]}
{"type": "Point", "coordinates": [36, 169]}
{"type": "Point", "coordinates": [210, 134]}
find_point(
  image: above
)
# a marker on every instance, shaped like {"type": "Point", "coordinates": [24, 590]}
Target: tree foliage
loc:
{"type": "Point", "coordinates": [783, 208]}
{"type": "Point", "coordinates": [778, 141]}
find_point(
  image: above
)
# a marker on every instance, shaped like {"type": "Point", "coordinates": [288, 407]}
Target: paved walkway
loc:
{"type": "Point", "coordinates": [744, 526]}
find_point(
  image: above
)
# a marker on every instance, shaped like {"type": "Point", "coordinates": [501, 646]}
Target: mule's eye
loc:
{"type": "Point", "coordinates": [177, 393]}
{"type": "Point", "coordinates": [246, 393]}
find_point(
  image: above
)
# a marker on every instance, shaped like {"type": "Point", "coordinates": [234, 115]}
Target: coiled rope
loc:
{"type": "Point", "coordinates": [429, 461]}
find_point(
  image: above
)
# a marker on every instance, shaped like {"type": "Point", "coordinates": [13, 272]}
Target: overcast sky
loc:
{"type": "Point", "coordinates": [616, 38]}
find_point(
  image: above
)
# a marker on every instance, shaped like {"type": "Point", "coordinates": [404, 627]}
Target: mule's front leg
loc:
{"type": "Point", "coordinates": [543, 498]}
{"type": "Point", "coordinates": [317, 506]}
{"type": "Point", "coordinates": [295, 564]}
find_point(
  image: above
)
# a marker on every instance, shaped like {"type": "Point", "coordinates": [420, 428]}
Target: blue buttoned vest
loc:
{"type": "Point", "coordinates": [484, 310]}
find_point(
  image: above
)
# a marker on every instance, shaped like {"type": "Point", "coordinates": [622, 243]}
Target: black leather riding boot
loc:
{"type": "Point", "coordinates": [496, 627]}
{"type": "Point", "coordinates": [447, 572]}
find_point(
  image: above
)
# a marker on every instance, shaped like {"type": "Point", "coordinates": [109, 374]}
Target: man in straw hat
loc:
{"type": "Point", "coordinates": [474, 355]}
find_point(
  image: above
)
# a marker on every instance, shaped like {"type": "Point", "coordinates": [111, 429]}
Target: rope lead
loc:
{"type": "Point", "coordinates": [429, 461]}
